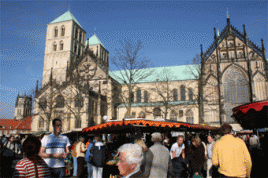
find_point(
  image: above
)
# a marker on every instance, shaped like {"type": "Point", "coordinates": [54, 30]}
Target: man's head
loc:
{"type": "Point", "coordinates": [226, 129]}
{"type": "Point", "coordinates": [11, 138]}
{"type": "Point", "coordinates": [81, 139]}
{"type": "Point", "coordinates": [97, 138]}
{"type": "Point", "coordinates": [156, 137]}
{"type": "Point", "coordinates": [180, 140]}
{"type": "Point", "coordinates": [130, 157]}
{"type": "Point", "coordinates": [210, 139]}
{"type": "Point", "coordinates": [57, 126]}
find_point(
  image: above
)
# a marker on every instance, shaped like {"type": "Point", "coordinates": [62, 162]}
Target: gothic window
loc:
{"type": "Point", "coordinates": [157, 112]}
{"type": "Point", "coordinates": [55, 32]}
{"type": "Point", "coordinates": [132, 97]}
{"type": "Point", "coordinates": [77, 123]}
{"type": "Point", "coordinates": [138, 96]}
{"type": "Point", "coordinates": [42, 103]}
{"type": "Point", "coordinates": [180, 113]}
{"type": "Point", "coordinates": [133, 114]}
{"type": "Point", "coordinates": [190, 117]}
{"type": "Point", "coordinates": [62, 31]}
{"type": "Point", "coordinates": [78, 51]}
{"type": "Point", "coordinates": [76, 33]}
{"type": "Point", "coordinates": [80, 36]}
{"type": "Point", "coordinates": [55, 46]}
{"type": "Point", "coordinates": [236, 90]}
{"type": "Point", "coordinates": [79, 101]}
{"type": "Point", "coordinates": [183, 96]}
{"type": "Point", "coordinates": [61, 45]}
{"type": "Point", "coordinates": [145, 96]}
{"type": "Point", "coordinates": [41, 123]}
{"type": "Point", "coordinates": [75, 48]}
{"type": "Point", "coordinates": [173, 116]}
{"type": "Point", "coordinates": [175, 95]}
{"type": "Point", "coordinates": [59, 101]}
{"type": "Point", "coordinates": [191, 95]}
{"type": "Point", "coordinates": [142, 114]}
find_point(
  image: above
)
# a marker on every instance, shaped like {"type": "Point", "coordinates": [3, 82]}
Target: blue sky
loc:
{"type": "Point", "coordinates": [171, 32]}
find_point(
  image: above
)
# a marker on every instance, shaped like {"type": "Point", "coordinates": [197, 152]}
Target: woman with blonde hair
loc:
{"type": "Point", "coordinates": [147, 159]}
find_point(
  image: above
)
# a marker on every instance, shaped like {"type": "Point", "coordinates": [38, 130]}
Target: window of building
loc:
{"type": "Point", "coordinates": [62, 31]}
{"type": "Point", "coordinates": [54, 47]}
{"type": "Point", "coordinates": [77, 123]}
{"type": "Point", "coordinates": [75, 48]}
{"type": "Point", "coordinates": [133, 114]}
{"type": "Point", "coordinates": [183, 96]}
{"type": "Point", "coordinates": [61, 45]}
{"type": "Point", "coordinates": [145, 96]}
{"type": "Point", "coordinates": [9, 127]}
{"type": "Point", "coordinates": [157, 112]}
{"type": "Point", "coordinates": [76, 33]}
{"type": "Point", "coordinates": [175, 95]}
{"type": "Point", "coordinates": [191, 95]}
{"type": "Point", "coordinates": [132, 97]}
{"type": "Point", "coordinates": [41, 123]}
{"type": "Point", "coordinates": [190, 117]}
{"type": "Point", "coordinates": [56, 32]}
{"type": "Point", "coordinates": [80, 36]}
{"type": "Point", "coordinates": [42, 103]}
{"type": "Point", "coordinates": [59, 101]}
{"type": "Point", "coordinates": [138, 96]}
{"type": "Point", "coordinates": [180, 113]}
{"type": "Point", "coordinates": [173, 116]}
{"type": "Point", "coordinates": [142, 114]}
{"type": "Point", "coordinates": [78, 101]}
{"type": "Point", "coordinates": [79, 48]}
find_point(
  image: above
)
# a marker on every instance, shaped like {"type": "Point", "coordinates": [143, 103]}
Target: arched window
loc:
{"type": "Point", "coordinates": [173, 116]}
{"type": "Point", "coordinates": [77, 123]}
{"type": "Point", "coordinates": [56, 32]}
{"type": "Point", "coordinates": [190, 117]}
{"type": "Point", "coordinates": [132, 97]}
{"type": "Point", "coordinates": [175, 95]}
{"type": "Point", "coordinates": [59, 101]}
{"type": "Point", "coordinates": [183, 96]}
{"type": "Point", "coordinates": [138, 96]}
{"type": "Point", "coordinates": [41, 123]}
{"type": "Point", "coordinates": [80, 36]}
{"type": "Point", "coordinates": [61, 45]}
{"type": "Point", "coordinates": [62, 31]}
{"type": "Point", "coordinates": [42, 103]}
{"type": "Point", "coordinates": [76, 33]}
{"type": "Point", "coordinates": [145, 96]}
{"type": "Point", "coordinates": [79, 101]}
{"type": "Point", "coordinates": [191, 95]}
{"type": "Point", "coordinates": [142, 114]}
{"type": "Point", "coordinates": [55, 46]}
{"type": "Point", "coordinates": [157, 112]}
{"type": "Point", "coordinates": [75, 48]}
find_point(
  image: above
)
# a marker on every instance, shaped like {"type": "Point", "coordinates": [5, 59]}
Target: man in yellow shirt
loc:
{"type": "Point", "coordinates": [231, 155]}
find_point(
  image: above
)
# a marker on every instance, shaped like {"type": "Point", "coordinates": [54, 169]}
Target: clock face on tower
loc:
{"type": "Point", "coordinates": [88, 69]}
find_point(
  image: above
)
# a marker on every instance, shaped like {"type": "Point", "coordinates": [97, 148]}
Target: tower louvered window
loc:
{"type": "Point", "coordinates": [56, 32]}
{"type": "Point", "coordinates": [190, 117]}
{"type": "Point", "coordinates": [183, 96]}
{"type": "Point", "coordinates": [175, 95]}
{"type": "Point", "coordinates": [61, 45]}
{"type": "Point", "coordinates": [138, 96]}
{"type": "Point", "coordinates": [145, 96]}
{"type": "Point", "coordinates": [191, 95]}
{"type": "Point", "coordinates": [62, 31]}
{"type": "Point", "coordinates": [59, 101]}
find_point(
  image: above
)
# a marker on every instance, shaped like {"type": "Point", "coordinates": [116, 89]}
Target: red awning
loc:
{"type": "Point", "coordinates": [146, 123]}
{"type": "Point", "coordinates": [257, 106]}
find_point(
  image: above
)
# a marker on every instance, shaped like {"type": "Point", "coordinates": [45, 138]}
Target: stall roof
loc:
{"type": "Point", "coordinates": [145, 125]}
{"type": "Point", "coordinates": [252, 115]}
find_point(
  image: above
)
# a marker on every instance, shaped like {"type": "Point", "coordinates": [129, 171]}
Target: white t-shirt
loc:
{"type": "Point", "coordinates": [177, 149]}
{"type": "Point", "coordinates": [55, 144]}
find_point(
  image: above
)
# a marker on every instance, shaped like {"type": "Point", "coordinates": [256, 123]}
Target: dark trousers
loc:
{"type": "Point", "coordinates": [6, 170]}
{"type": "Point", "coordinates": [224, 176]}
{"type": "Point", "coordinates": [80, 166]}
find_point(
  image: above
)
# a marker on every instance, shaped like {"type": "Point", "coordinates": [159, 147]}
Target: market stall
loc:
{"type": "Point", "coordinates": [252, 115]}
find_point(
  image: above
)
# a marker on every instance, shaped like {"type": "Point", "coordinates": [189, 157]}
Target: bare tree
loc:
{"type": "Point", "coordinates": [133, 68]}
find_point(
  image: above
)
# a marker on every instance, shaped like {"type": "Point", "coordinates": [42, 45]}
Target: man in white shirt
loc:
{"type": "Point", "coordinates": [209, 156]}
{"type": "Point", "coordinates": [178, 148]}
{"type": "Point", "coordinates": [55, 148]}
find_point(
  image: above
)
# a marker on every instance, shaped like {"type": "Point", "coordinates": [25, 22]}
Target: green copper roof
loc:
{"type": "Point", "coordinates": [67, 16]}
{"type": "Point", "coordinates": [183, 72]}
{"type": "Point", "coordinates": [94, 40]}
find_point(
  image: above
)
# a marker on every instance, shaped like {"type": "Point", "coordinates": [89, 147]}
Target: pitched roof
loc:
{"type": "Point", "coordinates": [177, 73]}
{"type": "Point", "coordinates": [67, 16]}
{"type": "Point", "coordinates": [93, 41]}
{"type": "Point", "coordinates": [16, 124]}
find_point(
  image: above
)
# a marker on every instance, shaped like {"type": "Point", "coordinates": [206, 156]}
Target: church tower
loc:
{"type": "Point", "coordinates": [65, 41]}
{"type": "Point", "coordinates": [23, 107]}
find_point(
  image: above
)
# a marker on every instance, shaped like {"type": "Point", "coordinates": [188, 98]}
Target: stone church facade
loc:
{"type": "Point", "coordinates": [78, 87]}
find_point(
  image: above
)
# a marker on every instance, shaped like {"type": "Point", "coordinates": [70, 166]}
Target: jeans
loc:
{"type": "Point", "coordinates": [89, 170]}
{"type": "Point", "coordinates": [75, 166]}
{"type": "Point", "coordinates": [58, 172]}
{"type": "Point", "coordinates": [97, 172]}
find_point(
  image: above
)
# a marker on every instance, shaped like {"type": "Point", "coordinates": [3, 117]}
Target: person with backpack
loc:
{"type": "Point", "coordinates": [98, 159]}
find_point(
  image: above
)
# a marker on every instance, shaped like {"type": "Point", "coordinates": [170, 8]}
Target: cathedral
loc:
{"type": "Point", "coordinates": [78, 87]}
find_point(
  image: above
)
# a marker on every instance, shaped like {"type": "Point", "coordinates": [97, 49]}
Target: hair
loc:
{"type": "Point", "coordinates": [197, 140]}
{"type": "Point", "coordinates": [55, 120]}
{"type": "Point", "coordinates": [156, 137]}
{"type": "Point", "coordinates": [134, 154]}
{"type": "Point", "coordinates": [226, 128]}
{"type": "Point", "coordinates": [31, 147]}
{"type": "Point", "coordinates": [180, 136]}
{"type": "Point", "coordinates": [81, 138]}
{"type": "Point", "coordinates": [212, 136]}
{"type": "Point", "coordinates": [141, 143]}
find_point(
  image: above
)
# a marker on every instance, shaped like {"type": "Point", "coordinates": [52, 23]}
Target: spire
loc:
{"type": "Point", "coordinates": [36, 88]}
{"type": "Point", "coordinates": [218, 33]}
{"type": "Point", "coordinates": [215, 34]}
{"type": "Point", "coordinates": [201, 50]}
{"type": "Point", "coordinates": [262, 45]}
{"type": "Point", "coordinates": [18, 94]}
{"type": "Point", "coordinates": [244, 27]}
{"type": "Point", "coordinates": [228, 19]}
{"type": "Point", "coordinates": [95, 31]}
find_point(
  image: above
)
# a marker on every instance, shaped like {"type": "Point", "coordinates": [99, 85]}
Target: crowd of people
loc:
{"type": "Point", "coordinates": [193, 155]}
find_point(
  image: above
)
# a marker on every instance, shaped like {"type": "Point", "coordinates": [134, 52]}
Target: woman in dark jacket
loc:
{"type": "Point", "coordinates": [197, 157]}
